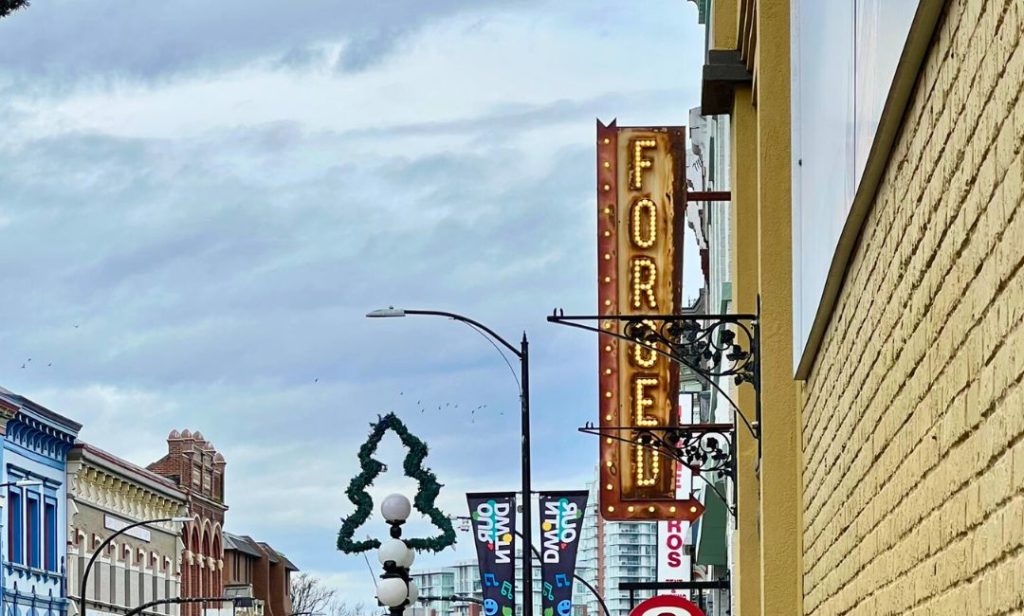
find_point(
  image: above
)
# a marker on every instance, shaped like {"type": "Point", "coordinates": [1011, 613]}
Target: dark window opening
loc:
{"type": "Point", "coordinates": [34, 536]}
{"type": "Point", "coordinates": [51, 536]}
{"type": "Point", "coordinates": [14, 528]}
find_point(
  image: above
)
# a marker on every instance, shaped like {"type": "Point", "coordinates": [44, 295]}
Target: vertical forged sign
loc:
{"type": "Point", "coordinates": [641, 195]}
{"type": "Point", "coordinates": [561, 519]}
{"type": "Point", "coordinates": [494, 525]}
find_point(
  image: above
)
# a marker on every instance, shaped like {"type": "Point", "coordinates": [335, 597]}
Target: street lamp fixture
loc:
{"type": "Point", "coordinates": [390, 311]}
{"type": "Point", "coordinates": [523, 353]}
{"type": "Point", "coordinates": [396, 589]}
{"type": "Point", "coordinates": [22, 483]}
{"type": "Point", "coordinates": [99, 550]}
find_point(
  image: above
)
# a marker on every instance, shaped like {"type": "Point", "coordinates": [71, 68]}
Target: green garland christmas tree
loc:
{"type": "Point", "coordinates": [9, 6]}
{"type": "Point", "coordinates": [413, 466]}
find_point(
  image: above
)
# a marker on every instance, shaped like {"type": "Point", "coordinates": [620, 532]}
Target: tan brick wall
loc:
{"type": "Point", "coordinates": [913, 416]}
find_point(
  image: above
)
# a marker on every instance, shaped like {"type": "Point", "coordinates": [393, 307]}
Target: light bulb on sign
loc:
{"type": "Point", "coordinates": [643, 286]}
{"type": "Point", "coordinates": [639, 162]}
{"type": "Point", "coordinates": [640, 238]}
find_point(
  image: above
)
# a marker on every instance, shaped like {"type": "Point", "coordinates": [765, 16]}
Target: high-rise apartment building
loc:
{"type": "Point", "coordinates": [434, 583]}
{"type": "Point", "coordinates": [611, 553]}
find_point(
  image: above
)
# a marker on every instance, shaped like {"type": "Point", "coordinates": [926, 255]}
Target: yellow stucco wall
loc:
{"type": "Point", "coordinates": [913, 415]}
{"type": "Point", "coordinates": [746, 587]}
{"type": "Point", "coordinates": [780, 417]}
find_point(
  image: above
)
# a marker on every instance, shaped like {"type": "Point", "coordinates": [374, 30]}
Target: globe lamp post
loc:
{"type": "Point", "coordinates": [396, 590]}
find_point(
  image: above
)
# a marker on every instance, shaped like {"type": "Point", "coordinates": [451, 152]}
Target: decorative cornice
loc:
{"type": "Point", "coordinates": [38, 436]}
{"type": "Point", "coordinates": [7, 412]}
{"type": "Point", "coordinates": [110, 492]}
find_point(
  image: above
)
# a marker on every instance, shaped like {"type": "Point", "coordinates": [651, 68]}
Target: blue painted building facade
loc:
{"type": "Point", "coordinates": [33, 540]}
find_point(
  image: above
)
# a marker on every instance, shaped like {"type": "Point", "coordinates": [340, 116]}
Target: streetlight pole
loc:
{"type": "Point", "coordinates": [523, 353]}
{"type": "Point", "coordinates": [524, 358]}
{"type": "Point", "coordinates": [99, 550]}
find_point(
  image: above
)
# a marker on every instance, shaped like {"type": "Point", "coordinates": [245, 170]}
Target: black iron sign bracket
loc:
{"type": "Point", "coordinates": [711, 346]}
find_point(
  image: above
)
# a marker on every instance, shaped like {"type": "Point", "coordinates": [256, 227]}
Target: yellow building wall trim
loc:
{"type": "Point", "coordinates": [725, 25]}
{"type": "Point", "coordinates": [913, 433]}
{"type": "Point", "coordinates": [747, 540]}
{"type": "Point", "coordinates": [781, 552]}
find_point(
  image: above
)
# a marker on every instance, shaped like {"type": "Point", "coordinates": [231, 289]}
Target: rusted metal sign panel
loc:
{"type": "Point", "coordinates": [641, 192]}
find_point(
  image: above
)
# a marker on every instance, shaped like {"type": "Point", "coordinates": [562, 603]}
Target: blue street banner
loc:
{"type": "Point", "coordinates": [561, 521]}
{"type": "Point", "coordinates": [494, 525]}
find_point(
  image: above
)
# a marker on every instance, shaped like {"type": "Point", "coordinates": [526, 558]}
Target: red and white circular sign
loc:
{"type": "Point", "coordinates": [667, 605]}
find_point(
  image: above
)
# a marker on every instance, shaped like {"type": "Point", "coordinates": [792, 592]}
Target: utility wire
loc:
{"type": "Point", "coordinates": [500, 352]}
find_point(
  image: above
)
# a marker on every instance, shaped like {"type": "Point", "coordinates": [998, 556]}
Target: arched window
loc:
{"type": "Point", "coordinates": [217, 554]}
{"type": "Point", "coordinates": [204, 554]}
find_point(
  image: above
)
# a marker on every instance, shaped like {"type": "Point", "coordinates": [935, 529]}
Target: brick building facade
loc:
{"type": "Point", "coordinates": [255, 569]}
{"type": "Point", "coordinates": [195, 466]}
{"type": "Point", "coordinates": [914, 494]}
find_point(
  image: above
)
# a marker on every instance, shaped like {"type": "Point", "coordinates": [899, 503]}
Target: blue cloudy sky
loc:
{"type": "Point", "coordinates": [200, 200]}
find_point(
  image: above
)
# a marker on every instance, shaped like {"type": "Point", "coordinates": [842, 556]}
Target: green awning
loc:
{"type": "Point", "coordinates": [711, 546]}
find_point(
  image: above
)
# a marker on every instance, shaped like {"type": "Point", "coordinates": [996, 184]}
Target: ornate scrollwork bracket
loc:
{"type": "Point", "coordinates": [711, 346]}
{"type": "Point", "coordinates": [706, 449]}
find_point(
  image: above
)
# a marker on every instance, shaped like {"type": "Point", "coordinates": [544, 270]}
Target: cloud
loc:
{"type": "Point", "coordinates": [365, 50]}
{"type": "Point", "coordinates": [111, 40]}
{"type": "Point", "coordinates": [304, 57]}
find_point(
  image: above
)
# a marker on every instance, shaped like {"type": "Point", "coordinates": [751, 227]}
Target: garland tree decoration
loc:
{"type": "Point", "coordinates": [9, 6]}
{"type": "Point", "coordinates": [413, 466]}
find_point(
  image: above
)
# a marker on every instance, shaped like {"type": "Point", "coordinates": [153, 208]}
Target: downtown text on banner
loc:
{"type": "Point", "coordinates": [561, 518]}
{"type": "Point", "coordinates": [494, 521]}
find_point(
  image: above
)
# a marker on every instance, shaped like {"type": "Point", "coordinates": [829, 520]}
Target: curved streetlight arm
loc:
{"type": "Point", "coordinates": [536, 553]}
{"type": "Point", "coordinates": [391, 312]}
{"type": "Point", "coordinates": [21, 483]}
{"type": "Point", "coordinates": [99, 550]}
{"type": "Point", "coordinates": [452, 598]}
{"type": "Point", "coordinates": [593, 590]}
{"type": "Point", "coordinates": [523, 354]}
{"type": "Point", "coordinates": [145, 606]}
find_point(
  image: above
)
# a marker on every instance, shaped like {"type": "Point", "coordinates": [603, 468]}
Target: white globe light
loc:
{"type": "Point", "coordinates": [414, 592]}
{"type": "Point", "coordinates": [396, 508]}
{"type": "Point", "coordinates": [392, 592]}
{"type": "Point", "coordinates": [396, 550]}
